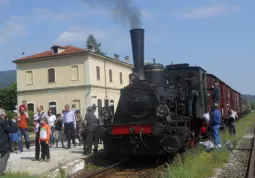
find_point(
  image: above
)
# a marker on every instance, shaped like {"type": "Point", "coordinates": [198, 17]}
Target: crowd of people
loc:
{"type": "Point", "coordinates": [49, 129]}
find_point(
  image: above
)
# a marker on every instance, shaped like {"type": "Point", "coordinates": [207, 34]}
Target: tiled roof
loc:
{"type": "Point", "coordinates": [67, 50]}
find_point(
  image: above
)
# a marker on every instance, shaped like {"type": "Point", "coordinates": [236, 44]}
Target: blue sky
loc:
{"type": "Point", "coordinates": [214, 34]}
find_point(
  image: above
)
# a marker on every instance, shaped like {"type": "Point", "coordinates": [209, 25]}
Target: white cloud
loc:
{"type": "Point", "coordinates": [114, 40]}
{"type": "Point", "coordinates": [205, 12]}
{"type": "Point", "coordinates": [12, 28]}
{"type": "Point", "coordinates": [117, 37]}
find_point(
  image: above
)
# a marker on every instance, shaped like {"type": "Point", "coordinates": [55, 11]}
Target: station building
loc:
{"type": "Point", "coordinates": [70, 75]}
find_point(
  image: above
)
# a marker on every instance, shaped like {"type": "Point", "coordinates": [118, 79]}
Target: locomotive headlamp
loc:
{"type": "Point", "coordinates": [162, 110]}
{"type": "Point", "coordinates": [133, 77]}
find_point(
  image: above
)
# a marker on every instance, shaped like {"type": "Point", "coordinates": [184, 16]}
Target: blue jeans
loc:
{"type": "Point", "coordinates": [52, 135]}
{"type": "Point", "coordinates": [23, 132]}
{"type": "Point", "coordinates": [216, 134]}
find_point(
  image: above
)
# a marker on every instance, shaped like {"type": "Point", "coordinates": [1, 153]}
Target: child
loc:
{"type": "Point", "coordinates": [44, 140]}
{"type": "Point", "coordinates": [14, 136]}
{"type": "Point", "coordinates": [58, 130]}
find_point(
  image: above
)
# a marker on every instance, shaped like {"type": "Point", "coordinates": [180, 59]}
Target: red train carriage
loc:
{"type": "Point", "coordinates": [229, 97]}
{"type": "Point", "coordinates": [223, 89]}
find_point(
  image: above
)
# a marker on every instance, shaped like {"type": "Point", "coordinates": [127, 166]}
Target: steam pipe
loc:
{"type": "Point", "coordinates": [137, 42]}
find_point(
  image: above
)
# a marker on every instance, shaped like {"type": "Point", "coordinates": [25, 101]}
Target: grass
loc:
{"type": "Point", "coordinates": [197, 163]}
{"type": "Point", "coordinates": [17, 175]}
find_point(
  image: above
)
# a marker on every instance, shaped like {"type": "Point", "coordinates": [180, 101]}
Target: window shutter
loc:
{"type": "Point", "coordinates": [29, 77]}
{"type": "Point", "coordinates": [98, 73]}
{"type": "Point", "coordinates": [51, 75]}
{"type": "Point", "coordinates": [120, 78]}
{"type": "Point", "coordinates": [110, 75]}
{"type": "Point", "coordinates": [74, 73]}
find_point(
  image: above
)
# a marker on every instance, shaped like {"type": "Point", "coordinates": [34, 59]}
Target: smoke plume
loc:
{"type": "Point", "coordinates": [122, 10]}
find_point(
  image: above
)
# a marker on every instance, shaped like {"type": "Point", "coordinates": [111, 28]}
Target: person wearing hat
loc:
{"type": "Point", "coordinates": [215, 123]}
{"type": "Point", "coordinates": [216, 95]}
{"type": "Point", "coordinates": [92, 122]}
{"type": "Point", "coordinates": [94, 107]}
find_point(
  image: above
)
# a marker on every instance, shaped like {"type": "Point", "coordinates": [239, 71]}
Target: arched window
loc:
{"type": "Point", "coordinates": [51, 75]}
{"type": "Point", "coordinates": [99, 106]}
{"type": "Point", "coordinates": [53, 107]}
{"type": "Point", "coordinates": [29, 77]}
{"type": "Point", "coordinates": [31, 107]}
{"type": "Point", "coordinates": [98, 72]}
{"type": "Point", "coordinates": [110, 75]}
{"type": "Point", "coordinates": [77, 104]}
{"type": "Point", "coordinates": [74, 72]}
{"type": "Point", "coordinates": [121, 78]}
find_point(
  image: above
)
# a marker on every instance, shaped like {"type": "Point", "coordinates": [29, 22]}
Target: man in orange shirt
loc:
{"type": "Point", "coordinates": [45, 133]}
{"type": "Point", "coordinates": [23, 129]}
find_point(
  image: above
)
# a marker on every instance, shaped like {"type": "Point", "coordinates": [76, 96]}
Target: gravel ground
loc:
{"type": "Point", "coordinates": [237, 166]}
{"type": "Point", "coordinates": [22, 162]}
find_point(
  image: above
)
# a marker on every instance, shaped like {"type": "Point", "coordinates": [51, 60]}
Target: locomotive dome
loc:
{"type": "Point", "coordinates": [154, 73]}
{"type": "Point", "coordinates": [153, 67]}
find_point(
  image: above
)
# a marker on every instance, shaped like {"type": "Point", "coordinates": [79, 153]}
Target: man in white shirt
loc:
{"type": "Point", "coordinates": [51, 120]}
{"type": "Point", "coordinates": [232, 116]}
{"type": "Point", "coordinates": [69, 122]}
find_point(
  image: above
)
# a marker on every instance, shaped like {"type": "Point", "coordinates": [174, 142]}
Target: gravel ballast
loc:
{"type": "Point", "coordinates": [239, 158]}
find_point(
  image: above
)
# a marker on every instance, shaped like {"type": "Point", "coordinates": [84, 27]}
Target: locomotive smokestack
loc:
{"type": "Point", "coordinates": [137, 42]}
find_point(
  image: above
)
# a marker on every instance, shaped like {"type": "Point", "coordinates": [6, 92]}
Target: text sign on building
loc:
{"type": "Point", "coordinates": [52, 91]}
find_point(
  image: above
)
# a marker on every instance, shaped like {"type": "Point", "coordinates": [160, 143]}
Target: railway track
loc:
{"type": "Point", "coordinates": [131, 169]}
{"type": "Point", "coordinates": [251, 164]}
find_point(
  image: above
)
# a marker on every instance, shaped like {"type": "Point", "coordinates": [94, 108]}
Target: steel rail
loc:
{"type": "Point", "coordinates": [251, 164]}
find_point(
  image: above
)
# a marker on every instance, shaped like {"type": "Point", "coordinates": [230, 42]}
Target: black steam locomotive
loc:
{"type": "Point", "coordinates": [159, 112]}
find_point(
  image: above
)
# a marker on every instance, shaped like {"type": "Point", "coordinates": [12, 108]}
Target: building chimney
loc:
{"type": "Point", "coordinates": [54, 49]}
{"type": "Point", "coordinates": [91, 48]}
{"type": "Point", "coordinates": [116, 56]}
{"type": "Point", "coordinates": [137, 41]}
{"type": "Point", "coordinates": [126, 59]}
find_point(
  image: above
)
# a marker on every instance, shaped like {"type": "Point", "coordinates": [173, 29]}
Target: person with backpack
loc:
{"type": "Point", "coordinates": [14, 135]}
{"type": "Point", "coordinates": [58, 134]}
{"type": "Point", "coordinates": [5, 143]}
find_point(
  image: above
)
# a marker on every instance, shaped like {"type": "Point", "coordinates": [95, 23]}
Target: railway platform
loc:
{"type": "Point", "coordinates": [22, 163]}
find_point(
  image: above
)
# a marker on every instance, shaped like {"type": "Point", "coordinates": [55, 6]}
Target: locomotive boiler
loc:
{"type": "Point", "coordinates": [159, 112]}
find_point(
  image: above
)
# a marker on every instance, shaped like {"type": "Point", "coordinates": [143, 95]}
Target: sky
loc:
{"type": "Point", "coordinates": [218, 35]}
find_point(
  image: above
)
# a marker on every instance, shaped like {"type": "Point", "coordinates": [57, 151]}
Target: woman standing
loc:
{"type": "Point", "coordinates": [51, 121]}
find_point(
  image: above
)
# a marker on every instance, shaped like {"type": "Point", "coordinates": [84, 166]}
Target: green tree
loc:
{"type": "Point", "coordinates": [91, 40]}
{"type": "Point", "coordinates": [8, 97]}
